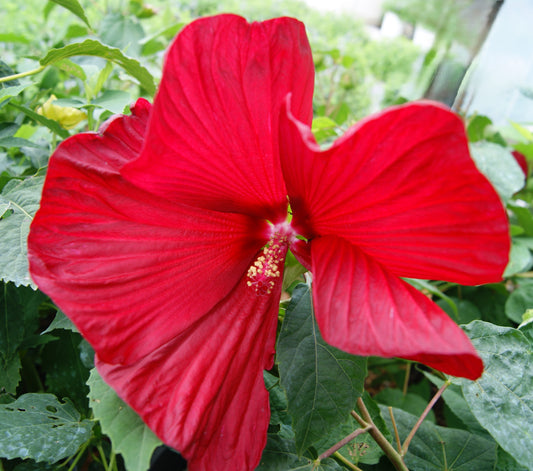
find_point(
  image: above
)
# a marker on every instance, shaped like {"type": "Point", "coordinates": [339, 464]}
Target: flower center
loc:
{"type": "Point", "coordinates": [268, 266]}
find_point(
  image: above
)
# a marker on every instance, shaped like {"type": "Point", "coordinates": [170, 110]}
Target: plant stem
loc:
{"type": "Point", "coordinates": [8, 78]}
{"type": "Point", "coordinates": [348, 463]}
{"type": "Point", "coordinates": [435, 398]}
{"type": "Point", "coordinates": [79, 455]}
{"type": "Point", "coordinates": [396, 434]}
{"type": "Point", "coordinates": [344, 441]}
{"type": "Point", "coordinates": [102, 457]}
{"type": "Point", "coordinates": [406, 379]}
{"type": "Point", "coordinates": [395, 458]}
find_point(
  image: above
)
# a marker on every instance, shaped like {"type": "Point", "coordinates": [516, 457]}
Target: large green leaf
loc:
{"type": "Point", "coordinates": [129, 435]}
{"type": "Point", "coordinates": [90, 47]}
{"type": "Point", "coordinates": [436, 448]}
{"type": "Point", "coordinates": [502, 399]}
{"type": "Point", "coordinates": [75, 7]}
{"type": "Point", "coordinates": [19, 201]}
{"type": "Point", "coordinates": [322, 382]}
{"type": "Point", "coordinates": [40, 427]}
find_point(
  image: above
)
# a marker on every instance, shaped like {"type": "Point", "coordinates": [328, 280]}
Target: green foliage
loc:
{"type": "Point", "coordinates": [502, 399]}
{"type": "Point", "coordinates": [75, 7]}
{"type": "Point", "coordinates": [90, 47]}
{"type": "Point", "coordinates": [19, 201]}
{"type": "Point", "coordinates": [98, 57]}
{"type": "Point", "coordinates": [280, 454]}
{"type": "Point", "coordinates": [313, 372]}
{"type": "Point", "coordinates": [436, 448]}
{"type": "Point", "coordinates": [129, 435]}
{"type": "Point", "coordinates": [40, 427]}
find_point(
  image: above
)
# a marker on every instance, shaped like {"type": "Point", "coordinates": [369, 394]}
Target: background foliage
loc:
{"type": "Point", "coordinates": [72, 65]}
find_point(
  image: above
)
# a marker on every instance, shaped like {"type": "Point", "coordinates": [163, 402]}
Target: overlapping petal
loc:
{"type": "Point", "coordinates": [364, 309]}
{"type": "Point", "coordinates": [203, 392]}
{"type": "Point", "coordinates": [132, 270]}
{"type": "Point", "coordinates": [402, 187]}
{"type": "Point", "coordinates": [212, 138]}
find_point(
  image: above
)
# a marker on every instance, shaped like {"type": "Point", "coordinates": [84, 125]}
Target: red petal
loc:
{"type": "Point", "coordinates": [401, 186]}
{"type": "Point", "coordinates": [203, 392]}
{"type": "Point", "coordinates": [118, 260]}
{"type": "Point", "coordinates": [522, 161]}
{"type": "Point", "coordinates": [210, 141]}
{"type": "Point", "coordinates": [364, 309]}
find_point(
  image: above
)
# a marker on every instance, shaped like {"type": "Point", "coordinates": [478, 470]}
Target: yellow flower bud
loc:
{"type": "Point", "coordinates": [66, 116]}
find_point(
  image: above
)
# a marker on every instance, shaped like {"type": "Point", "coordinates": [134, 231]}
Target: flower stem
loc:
{"type": "Point", "coordinates": [8, 78]}
{"type": "Point", "coordinates": [343, 442]}
{"type": "Point", "coordinates": [435, 398]}
{"type": "Point", "coordinates": [364, 420]}
{"type": "Point", "coordinates": [406, 380]}
{"type": "Point", "coordinates": [348, 463]}
{"type": "Point", "coordinates": [80, 453]}
{"type": "Point", "coordinates": [396, 434]}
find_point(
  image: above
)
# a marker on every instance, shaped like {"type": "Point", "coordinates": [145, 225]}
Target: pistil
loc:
{"type": "Point", "coordinates": [268, 266]}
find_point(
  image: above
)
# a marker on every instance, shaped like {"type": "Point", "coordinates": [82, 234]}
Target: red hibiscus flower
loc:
{"type": "Point", "coordinates": [163, 236]}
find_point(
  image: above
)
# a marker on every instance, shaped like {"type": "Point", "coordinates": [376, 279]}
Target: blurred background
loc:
{"type": "Point", "coordinates": [473, 55]}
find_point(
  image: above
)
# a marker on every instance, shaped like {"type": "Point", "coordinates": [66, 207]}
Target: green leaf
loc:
{"type": "Point", "coordinates": [14, 38]}
{"type": "Point", "coordinates": [280, 455]}
{"type": "Point", "coordinates": [113, 100]}
{"type": "Point", "coordinates": [524, 216]}
{"type": "Point", "coordinates": [467, 311]}
{"type": "Point", "coordinates": [40, 427]}
{"type": "Point", "coordinates": [476, 128]}
{"type": "Point", "coordinates": [506, 462]}
{"type": "Point", "coordinates": [520, 300]}
{"type": "Point", "coordinates": [322, 382]}
{"type": "Point", "coordinates": [436, 448]}
{"type": "Point", "coordinates": [61, 322]}
{"type": "Point", "coordinates": [363, 449]}
{"type": "Point", "coordinates": [74, 7]}
{"type": "Point", "coordinates": [10, 373]}
{"type": "Point", "coordinates": [90, 47]}
{"type": "Point", "coordinates": [9, 92]}
{"type": "Point", "coordinates": [71, 68]}
{"type": "Point", "coordinates": [520, 259]}
{"type": "Point", "coordinates": [502, 399]}
{"type": "Point", "coordinates": [454, 399]}
{"type": "Point", "coordinates": [20, 200]}
{"type": "Point", "coordinates": [129, 435]}
{"type": "Point", "coordinates": [17, 142]}
{"type": "Point", "coordinates": [278, 400]}
{"type": "Point", "coordinates": [122, 32]}
{"type": "Point", "coordinates": [499, 166]}
{"type": "Point", "coordinates": [410, 402]}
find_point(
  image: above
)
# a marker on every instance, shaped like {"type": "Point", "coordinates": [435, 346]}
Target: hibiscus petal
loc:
{"type": "Point", "coordinates": [364, 309]}
{"type": "Point", "coordinates": [132, 270]}
{"type": "Point", "coordinates": [210, 141]}
{"type": "Point", "coordinates": [203, 392]}
{"type": "Point", "coordinates": [401, 186]}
